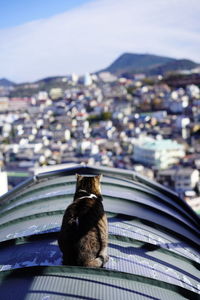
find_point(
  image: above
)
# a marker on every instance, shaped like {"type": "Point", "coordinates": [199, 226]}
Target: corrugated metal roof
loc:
{"type": "Point", "coordinates": [153, 241]}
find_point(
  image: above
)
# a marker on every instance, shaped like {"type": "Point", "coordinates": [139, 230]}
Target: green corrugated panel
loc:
{"type": "Point", "coordinates": [128, 190]}
{"type": "Point", "coordinates": [30, 225]}
{"type": "Point", "coordinates": [136, 196]}
{"type": "Point", "coordinates": [39, 205]}
{"type": "Point", "coordinates": [126, 255]}
{"type": "Point", "coordinates": [147, 232]}
{"type": "Point", "coordinates": [80, 283]}
{"type": "Point", "coordinates": [149, 260]}
{"type": "Point", "coordinates": [115, 205]}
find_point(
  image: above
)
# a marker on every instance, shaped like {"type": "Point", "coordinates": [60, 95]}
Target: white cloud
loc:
{"type": "Point", "coordinates": [90, 37]}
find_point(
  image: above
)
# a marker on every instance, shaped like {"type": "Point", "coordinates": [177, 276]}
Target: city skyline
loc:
{"type": "Point", "coordinates": [86, 36]}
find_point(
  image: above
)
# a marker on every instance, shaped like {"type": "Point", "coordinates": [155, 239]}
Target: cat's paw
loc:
{"type": "Point", "coordinates": [106, 258]}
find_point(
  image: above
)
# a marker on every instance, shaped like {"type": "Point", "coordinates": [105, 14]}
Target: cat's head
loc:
{"type": "Point", "coordinates": [91, 184]}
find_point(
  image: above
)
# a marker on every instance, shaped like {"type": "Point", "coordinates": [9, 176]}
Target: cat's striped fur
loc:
{"type": "Point", "coordinates": [83, 237]}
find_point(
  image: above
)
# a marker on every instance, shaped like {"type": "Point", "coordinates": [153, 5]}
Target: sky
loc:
{"type": "Point", "coordinates": [58, 37]}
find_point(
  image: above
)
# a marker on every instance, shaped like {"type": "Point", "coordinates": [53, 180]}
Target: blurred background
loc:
{"type": "Point", "coordinates": [101, 82]}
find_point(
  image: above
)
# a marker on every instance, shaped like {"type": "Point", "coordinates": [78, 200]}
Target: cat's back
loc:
{"type": "Point", "coordinates": [88, 213]}
{"type": "Point", "coordinates": [83, 236]}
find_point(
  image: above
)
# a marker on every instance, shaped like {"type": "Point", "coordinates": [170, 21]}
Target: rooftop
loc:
{"type": "Point", "coordinates": [153, 240]}
{"type": "Point", "coordinates": [181, 171]}
{"type": "Point", "coordinates": [165, 144]}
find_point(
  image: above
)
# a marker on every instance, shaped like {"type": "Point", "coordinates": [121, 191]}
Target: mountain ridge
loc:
{"type": "Point", "coordinates": [6, 83]}
{"type": "Point", "coordinates": [149, 64]}
{"type": "Point", "coordinates": [129, 64]}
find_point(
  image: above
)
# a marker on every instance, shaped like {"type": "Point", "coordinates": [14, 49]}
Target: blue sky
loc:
{"type": "Point", "coordinates": [17, 12]}
{"type": "Point", "coordinates": [48, 38]}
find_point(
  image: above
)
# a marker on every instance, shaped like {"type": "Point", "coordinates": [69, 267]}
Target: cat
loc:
{"type": "Point", "coordinates": [83, 237]}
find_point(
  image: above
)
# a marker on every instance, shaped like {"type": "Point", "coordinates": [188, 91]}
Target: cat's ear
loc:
{"type": "Point", "coordinates": [79, 177]}
{"type": "Point", "coordinates": [99, 177]}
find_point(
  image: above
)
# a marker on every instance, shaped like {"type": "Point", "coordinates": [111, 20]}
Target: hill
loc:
{"type": "Point", "coordinates": [172, 66]}
{"type": "Point", "coordinates": [6, 83]}
{"type": "Point", "coordinates": [149, 64]}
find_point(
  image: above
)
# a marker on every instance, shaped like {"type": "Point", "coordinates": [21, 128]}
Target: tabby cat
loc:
{"type": "Point", "coordinates": [83, 237]}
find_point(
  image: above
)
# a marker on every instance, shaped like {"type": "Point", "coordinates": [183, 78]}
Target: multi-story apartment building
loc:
{"type": "Point", "coordinates": [158, 153]}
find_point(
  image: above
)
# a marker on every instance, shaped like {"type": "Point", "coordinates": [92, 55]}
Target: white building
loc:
{"type": "Point", "coordinates": [182, 179]}
{"type": "Point", "coordinates": [4, 182]}
{"type": "Point", "coordinates": [186, 179]}
{"type": "Point", "coordinates": [4, 103]}
{"type": "Point", "coordinates": [42, 95]}
{"type": "Point", "coordinates": [87, 79]}
{"type": "Point", "coordinates": [107, 77]}
{"type": "Point", "coordinates": [182, 123]}
{"type": "Point", "coordinates": [158, 153]}
{"type": "Point", "coordinates": [56, 93]}
{"type": "Point", "coordinates": [87, 147]}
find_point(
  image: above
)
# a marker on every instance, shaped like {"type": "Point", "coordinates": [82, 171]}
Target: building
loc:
{"type": "Point", "coordinates": [160, 154]}
{"type": "Point", "coordinates": [56, 93]}
{"type": "Point", "coordinates": [4, 182]}
{"type": "Point", "coordinates": [153, 241]}
{"type": "Point", "coordinates": [181, 179]}
{"type": "Point", "coordinates": [4, 104]}
{"type": "Point", "coordinates": [87, 79]}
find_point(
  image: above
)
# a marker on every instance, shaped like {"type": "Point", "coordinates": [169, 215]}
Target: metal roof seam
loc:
{"type": "Point", "coordinates": [62, 211]}
{"type": "Point", "coordinates": [179, 210]}
{"type": "Point", "coordinates": [38, 178]}
{"type": "Point", "coordinates": [121, 172]}
{"type": "Point", "coordinates": [159, 236]}
{"type": "Point", "coordinates": [55, 197]}
{"type": "Point", "coordinates": [34, 216]}
{"type": "Point", "coordinates": [26, 204]}
{"type": "Point", "coordinates": [91, 274]}
{"type": "Point", "coordinates": [153, 242]}
{"type": "Point", "coordinates": [173, 217]}
{"type": "Point", "coordinates": [149, 246]}
{"type": "Point", "coordinates": [153, 247]}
